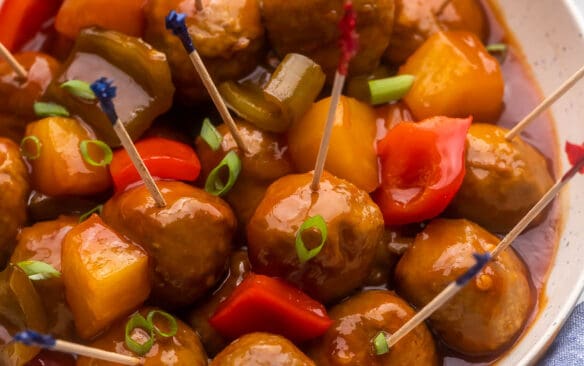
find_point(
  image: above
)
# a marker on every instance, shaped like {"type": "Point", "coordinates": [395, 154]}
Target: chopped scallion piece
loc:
{"type": "Point", "coordinates": [390, 89]}
{"type": "Point", "coordinates": [318, 223]}
{"type": "Point", "coordinates": [210, 134]}
{"type": "Point", "coordinates": [380, 343]}
{"type": "Point", "coordinates": [135, 322]}
{"type": "Point", "coordinates": [97, 209]}
{"type": "Point", "coordinates": [50, 110]}
{"type": "Point", "coordinates": [36, 270]}
{"type": "Point", "coordinates": [497, 47]}
{"type": "Point", "coordinates": [214, 183]}
{"type": "Point", "coordinates": [107, 152]}
{"type": "Point", "coordinates": [172, 325]}
{"type": "Point", "coordinates": [37, 146]}
{"type": "Point", "coordinates": [79, 89]}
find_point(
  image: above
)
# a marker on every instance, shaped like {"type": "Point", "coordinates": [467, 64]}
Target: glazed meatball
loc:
{"type": "Point", "coordinates": [266, 161]}
{"type": "Point", "coordinates": [228, 35]}
{"type": "Point", "coordinates": [394, 242]}
{"type": "Point", "coordinates": [188, 241]}
{"type": "Point", "coordinates": [417, 20]}
{"type": "Point", "coordinates": [354, 224]}
{"type": "Point", "coordinates": [310, 27]}
{"type": "Point", "coordinates": [490, 312]}
{"type": "Point", "coordinates": [261, 349]}
{"type": "Point", "coordinates": [358, 320]}
{"type": "Point", "coordinates": [14, 189]}
{"type": "Point", "coordinates": [503, 179]}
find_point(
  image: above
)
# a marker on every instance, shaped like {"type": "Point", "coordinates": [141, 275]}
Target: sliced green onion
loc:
{"type": "Point", "coordinates": [214, 184]}
{"type": "Point", "coordinates": [210, 134]}
{"type": "Point", "coordinates": [390, 89]}
{"type": "Point", "coordinates": [107, 152]}
{"type": "Point", "coordinates": [316, 222]}
{"type": "Point", "coordinates": [171, 322]}
{"type": "Point", "coordinates": [79, 89]}
{"type": "Point", "coordinates": [97, 209]}
{"type": "Point", "coordinates": [380, 343]}
{"type": "Point", "coordinates": [36, 270]}
{"type": "Point", "coordinates": [135, 322]}
{"type": "Point", "coordinates": [37, 144]}
{"type": "Point", "coordinates": [50, 110]}
{"type": "Point", "coordinates": [497, 47]}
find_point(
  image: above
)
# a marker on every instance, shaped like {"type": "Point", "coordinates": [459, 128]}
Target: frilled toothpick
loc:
{"type": "Point", "coordinates": [176, 22]}
{"type": "Point", "coordinates": [105, 92]}
{"type": "Point", "coordinates": [16, 66]}
{"type": "Point", "coordinates": [32, 338]}
{"type": "Point", "coordinates": [576, 157]}
{"type": "Point", "coordinates": [349, 44]}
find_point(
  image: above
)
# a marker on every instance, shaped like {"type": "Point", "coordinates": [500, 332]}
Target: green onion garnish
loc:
{"type": "Point", "coordinates": [171, 323]}
{"type": "Point", "coordinates": [390, 89]}
{"type": "Point", "coordinates": [36, 270]}
{"type": "Point", "coordinates": [316, 222]}
{"type": "Point", "coordinates": [50, 110]}
{"type": "Point", "coordinates": [97, 209]}
{"type": "Point", "coordinates": [37, 145]}
{"type": "Point", "coordinates": [380, 343]}
{"type": "Point", "coordinates": [107, 152]}
{"type": "Point", "coordinates": [210, 134]}
{"type": "Point", "coordinates": [135, 322]}
{"type": "Point", "coordinates": [79, 89]}
{"type": "Point", "coordinates": [214, 184]}
{"type": "Point", "coordinates": [497, 47]}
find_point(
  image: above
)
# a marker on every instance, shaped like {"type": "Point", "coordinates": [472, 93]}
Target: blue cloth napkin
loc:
{"type": "Point", "coordinates": [568, 348]}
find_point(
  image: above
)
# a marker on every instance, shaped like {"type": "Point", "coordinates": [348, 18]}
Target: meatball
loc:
{"type": "Point", "coordinates": [503, 180]}
{"type": "Point", "coordinates": [188, 241]}
{"type": "Point", "coordinates": [228, 35]}
{"type": "Point", "coordinates": [417, 20]}
{"type": "Point", "coordinates": [266, 161]}
{"type": "Point", "coordinates": [310, 27]}
{"type": "Point", "coordinates": [354, 224]}
{"type": "Point", "coordinates": [490, 312]}
{"type": "Point", "coordinates": [14, 189]}
{"type": "Point", "coordinates": [392, 245]}
{"type": "Point", "coordinates": [358, 320]}
{"type": "Point", "coordinates": [261, 349]}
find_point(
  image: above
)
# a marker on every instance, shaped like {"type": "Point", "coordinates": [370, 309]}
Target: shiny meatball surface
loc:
{"type": "Point", "coordinates": [354, 224]}
{"type": "Point", "coordinates": [489, 313]}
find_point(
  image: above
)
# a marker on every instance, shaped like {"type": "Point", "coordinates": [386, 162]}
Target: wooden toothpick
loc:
{"type": "Point", "coordinates": [545, 104]}
{"type": "Point", "coordinates": [16, 66]}
{"type": "Point", "coordinates": [105, 92]}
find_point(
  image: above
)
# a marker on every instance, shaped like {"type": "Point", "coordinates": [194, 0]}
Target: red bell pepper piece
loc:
{"type": "Point", "coordinates": [575, 154]}
{"type": "Point", "coordinates": [265, 304]}
{"type": "Point", "coordinates": [20, 20]}
{"type": "Point", "coordinates": [422, 168]}
{"type": "Point", "coordinates": [164, 158]}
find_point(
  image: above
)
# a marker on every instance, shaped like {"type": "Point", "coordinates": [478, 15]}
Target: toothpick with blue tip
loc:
{"type": "Point", "coordinates": [16, 66]}
{"type": "Point", "coordinates": [32, 338]}
{"type": "Point", "coordinates": [105, 92]}
{"type": "Point", "coordinates": [176, 22]}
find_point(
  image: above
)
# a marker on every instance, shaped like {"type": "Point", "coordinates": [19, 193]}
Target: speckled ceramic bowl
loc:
{"type": "Point", "coordinates": [551, 34]}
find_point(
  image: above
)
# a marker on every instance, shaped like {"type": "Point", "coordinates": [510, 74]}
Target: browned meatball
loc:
{"type": "Point", "coordinates": [261, 349]}
{"type": "Point", "coordinates": [188, 241]}
{"type": "Point", "coordinates": [14, 189]}
{"type": "Point", "coordinates": [354, 224]}
{"type": "Point", "coordinates": [266, 161]}
{"type": "Point", "coordinates": [503, 179]}
{"type": "Point", "coordinates": [239, 267]}
{"type": "Point", "coordinates": [228, 35]}
{"type": "Point", "coordinates": [417, 20]}
{"type": "Point", "coordinates": [392, 245]}
{"type": "Point", "coordinates": [490, 312]}
{"type": "Point", "coordinates": [310, 27]}
{"type": "Point", "coordinates": [358, 320]}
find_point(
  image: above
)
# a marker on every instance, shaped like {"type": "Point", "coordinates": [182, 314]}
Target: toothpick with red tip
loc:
{"type": "Point", "coordinates": [576, 157]}
{"type": "Point", "coordinates": [105, 92]}
{"type": "Point", "coordinates": [16, 66]}
{"type": "Point", "coordinates": [349, 44]}
{"type": "Point", "coordinates": [176, 22]}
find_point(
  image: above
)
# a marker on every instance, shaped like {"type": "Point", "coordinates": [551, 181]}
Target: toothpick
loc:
{"type": "Point", "coordinates": [31, 338]}
{"type": "Point", "coordinates": [16, 66]}
{"type": "Point", "coordinates": [545, 104]}
{"type": "Point", "coordinates": [105, 92]}
{"type": "Point", "coordinates": [176, 23]}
